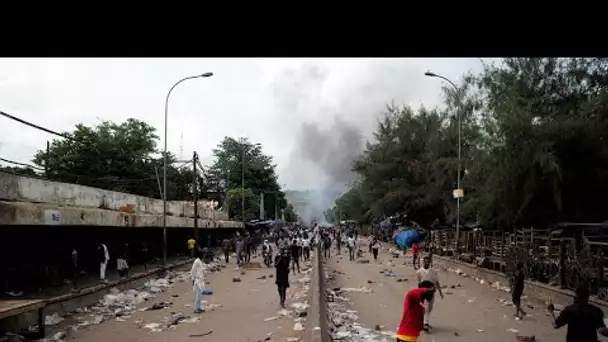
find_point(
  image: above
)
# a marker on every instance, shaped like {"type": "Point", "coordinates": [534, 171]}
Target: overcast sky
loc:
{"type": "Point", "coordinates": [289, 105]}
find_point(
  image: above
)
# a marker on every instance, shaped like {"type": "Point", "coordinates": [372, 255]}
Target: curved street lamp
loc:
{"type": "Point", "coordinates": [459, 194]}
{"type": "Point", "coordinates": [205, 75]}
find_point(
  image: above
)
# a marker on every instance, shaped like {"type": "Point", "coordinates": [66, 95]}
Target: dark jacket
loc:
{"type": "Point", "coordinates": [281, 263]}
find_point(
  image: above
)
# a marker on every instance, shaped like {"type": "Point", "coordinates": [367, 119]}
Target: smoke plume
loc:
{"type": "Point", "coordinates": [333, 110]}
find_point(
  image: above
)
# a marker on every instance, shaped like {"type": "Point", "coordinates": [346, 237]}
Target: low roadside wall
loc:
{"type": "Point", "coordinates": [535, 291]}
{"type": "Point", "coordinates": [319, 317]}
{"type": "Point", "coordinates": [69, 302]}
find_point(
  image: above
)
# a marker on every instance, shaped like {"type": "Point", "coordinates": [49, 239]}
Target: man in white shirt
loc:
{"type": "Point", "coordinates": [306, 248]}
{"type": "Point", "coordinates": [428, 274]}
{"type": "Point", "coordinates": [351, 247]}
{"type": "Point", "coordinates": [197, 274]}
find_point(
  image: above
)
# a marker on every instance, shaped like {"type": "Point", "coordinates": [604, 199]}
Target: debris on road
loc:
{"type": "Point", "coordinates": [53, 319]}
{"type": "Point", "coordinates": [158, 306]}
{"type": "Point", "coordinates": [360, 289]}
{"type": "Point", "coordinates": [201, 335]}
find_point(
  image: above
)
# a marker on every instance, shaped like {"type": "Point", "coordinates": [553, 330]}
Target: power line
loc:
{"type": "Point", "coordinates": [36, 126]}
{"type": "Point", "coordinates": [21, 164]}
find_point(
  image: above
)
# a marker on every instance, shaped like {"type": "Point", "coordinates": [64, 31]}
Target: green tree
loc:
{"type": "Point", "coordinates": [20, 171]}
{"type": "Point", "coordinates": [116, 156]}
{"type": "Point", "coordinates": [290, 213]}
{"type": "Point", "coordinates": [532, 149]}
{"type": "Point", "coordinates": [235, 209]}
{"type": "Point", "coordinates": [240, 159]}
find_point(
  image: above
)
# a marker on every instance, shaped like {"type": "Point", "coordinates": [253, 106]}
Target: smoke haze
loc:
{"type": "Point", "coordinates": [333, 112]}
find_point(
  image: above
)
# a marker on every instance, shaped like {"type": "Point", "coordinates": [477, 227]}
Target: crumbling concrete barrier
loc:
{"type": "Point", "coordinates": [319, 317]}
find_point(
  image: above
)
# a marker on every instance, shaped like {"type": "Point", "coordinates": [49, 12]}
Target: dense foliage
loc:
{"type": "Point", "coordinates": [120, 157]}
{"type": "Point", "coordinates": [532, 150]}
{"type": "Point", "coordinates": [123, 157]}
{"type": "Point", "coordinates": [240, 162]}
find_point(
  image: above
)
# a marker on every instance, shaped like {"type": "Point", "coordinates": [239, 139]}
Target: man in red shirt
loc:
{"type": "Point", "coordinates": [415, 253]}
{"type": "Point", "coordinates": [412, 321]}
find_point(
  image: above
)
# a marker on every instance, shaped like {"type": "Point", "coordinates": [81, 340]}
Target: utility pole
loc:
{"type": "Point", "coordinates": [46, 162]}
{"type": "Point", "coordinates": [276, 205]}
{"type": "Point", "coordinates": [195, 195]}
{"type": "Point", "coordinates": [243, 181]}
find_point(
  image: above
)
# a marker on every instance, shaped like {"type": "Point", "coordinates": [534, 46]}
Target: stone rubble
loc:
{"type": "Point", "coordinates": [343, 320]}
{"type": "Point", "coordinates": [121, 306]}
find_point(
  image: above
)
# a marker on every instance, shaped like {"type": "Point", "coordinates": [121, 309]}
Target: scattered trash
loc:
{"type": "Point", "coordinates": [158, 306]}
{"type": "Point", "coordinates": [271, 318]}
{"type": "Point", "coordinates": [155, 327]}
{"type": "Point", "coordinates": [201, 335]}
{"type": "Point", "coordinates": [236, 280]}
{"type": "Point", "coordinates": [480, 330]}
{"type": "Point", "coordinates": [53, 319]}
{"type": "Point", "coordinates": [526, 338]}
{"type": "Point", "coordinates": [513, 330]}
{"type": "Point", "coordinates": [360, 289]}
{"type": "Point", "coordinates": [298, 327]}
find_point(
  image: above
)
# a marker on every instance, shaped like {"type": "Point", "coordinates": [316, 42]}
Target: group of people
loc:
{"type": "Point", "coordinates": [584, 320]}
{"type": "Point", "coordinates": [103, 258]}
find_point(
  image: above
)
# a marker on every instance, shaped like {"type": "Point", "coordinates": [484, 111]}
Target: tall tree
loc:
{"type": "Point", "coordinates": [239, 161]}
{"type": "Point", "coordinates": [116, 156]}
{"type": "Point", "coordinates": [532, 149]}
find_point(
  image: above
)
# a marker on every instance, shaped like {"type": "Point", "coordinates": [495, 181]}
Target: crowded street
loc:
{"type": "Point", "coordinates": [470, 311]}
{"type": "Point", "coordinates": [244, 306]}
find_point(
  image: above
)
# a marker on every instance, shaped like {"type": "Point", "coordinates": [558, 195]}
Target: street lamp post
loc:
{"type": "Point", "coordinates": [207, 74]}
{"type": "Point", "coordinates": [458, 116]}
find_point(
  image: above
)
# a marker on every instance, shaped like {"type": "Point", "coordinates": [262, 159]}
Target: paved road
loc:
{"type": "Point", "coordinates": [458, 317]}
{"type": "Point", "coordinates": [241, 317]}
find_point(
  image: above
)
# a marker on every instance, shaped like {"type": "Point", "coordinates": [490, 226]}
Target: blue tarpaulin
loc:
{"type": "Point", "coordinates": [404, 238]}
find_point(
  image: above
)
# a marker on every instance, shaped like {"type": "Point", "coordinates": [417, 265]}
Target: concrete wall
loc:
{"type": "Point", "coordinates": [30, 201]}
{"type": "Point", "coordinates": [318, 319]}
{"type": "Point", "coordinates": [24, 189]}
{"type": "Point", "coordinates": [536, 291]}
{"type": "Point", "coordinates": [21, 213]}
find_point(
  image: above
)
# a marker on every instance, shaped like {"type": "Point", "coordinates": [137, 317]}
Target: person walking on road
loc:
{"type": "Point", "coordinates": [350, 242]}
{"type": "Point", "coordinates": [226, 245]}
{"type": "Point", "coordinates": [191, 244]}
{"type": "Point", "coordinates": [584, 320]}
{"type": "Point", "coordinates": [104, 257]}
{"type": "Point", "coordinates": [295, 255]}
{"type": "Point", "coordinates": [281, 263]}
{"type": "Point", "coordinates": [370, 242]}
{"type": "Point", "coordinates": [375, 248]}
{"type": "Point", "coordinates": [338, 241]}
{"type": "Point", "coordinates": [306, 248]}
{"type": "Point", "coordinates": [426, 273]}
{"type": "Point", "coordinates": [412, 321]}
{"type": "Point", "coordinates": [240, 246]}
{"type": "Point", "coordinates": [518, 290]}
{"type": "Point", "coordinates": [197, 274]}
{"type": "Point", "coordinates": [415, 254]}
{"type": "Point", "coordinates": [75, 271]}
{"type": "Point", "coordinates": [327, 246]}
{"type": "Point", "coordinates": [121, 262]}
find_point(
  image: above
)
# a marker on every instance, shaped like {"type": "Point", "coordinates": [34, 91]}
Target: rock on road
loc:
{"type": "Point", "coordinates": [471, 312]}
{"type": "Point", "coordinates": [237, 311]}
